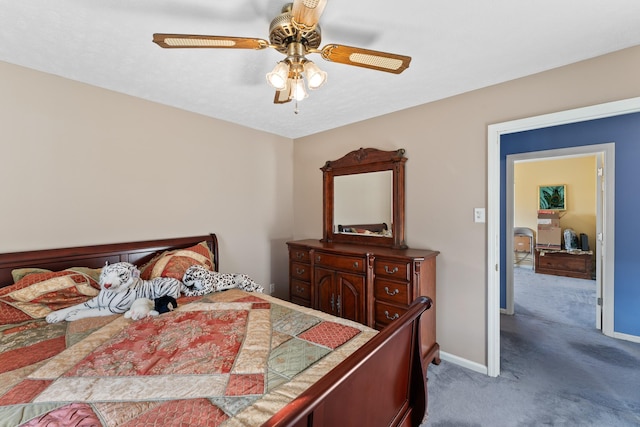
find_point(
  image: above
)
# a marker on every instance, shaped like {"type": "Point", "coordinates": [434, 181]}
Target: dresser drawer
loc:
{"type": "Point", "coordinates": [300, 271]}
{"type": "Point", "coordinates": [299, 255]}
{"type": "Point", "coordinates": [387, 313]}
{"type": "Point", "coordinates": [340, 262]}
{"type": "Point", "coordinates": [300, 290]}
{"type": "Point", "coordinates": [392, 269]}
{"type": "Point", "coordinates": [395, 292]}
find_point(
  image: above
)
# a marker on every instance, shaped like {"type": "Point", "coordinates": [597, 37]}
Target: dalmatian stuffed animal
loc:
{"type": "Point", "coordinates": [120, 286]}
{"type": "Point", "coordinates": [199, 281]}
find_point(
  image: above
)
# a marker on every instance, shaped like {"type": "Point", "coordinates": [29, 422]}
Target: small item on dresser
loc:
{"type": "Point", "coordinates": [165, 304]}
{"type": "Point", "coordinates": [570, 240]}
{"type": "Point", "coordinates": [584, 242]}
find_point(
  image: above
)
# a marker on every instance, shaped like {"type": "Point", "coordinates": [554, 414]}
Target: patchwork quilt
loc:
{"type": "Point", "coordinates": [226, 359]}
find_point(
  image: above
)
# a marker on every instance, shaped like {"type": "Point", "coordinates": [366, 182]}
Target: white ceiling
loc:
{"type": "Point", "coordinates": [456, 46]}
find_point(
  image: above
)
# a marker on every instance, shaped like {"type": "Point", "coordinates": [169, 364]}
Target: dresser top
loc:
{"type": "Point", "coordinates": [349, 248]}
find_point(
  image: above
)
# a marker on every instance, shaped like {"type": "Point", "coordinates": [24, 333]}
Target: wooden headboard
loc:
{"type": "Point", "coordinates": [96, 256]}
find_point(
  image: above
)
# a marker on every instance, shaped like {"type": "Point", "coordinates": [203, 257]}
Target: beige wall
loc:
{"type": "Point", "coordinates": [65, 145]}
{"type": "Point", "coordinates": [82, 165]}
{"type": "Point", "coordinates": [446, 143]}
{"type": "Point", "coordinates": [577, 173]}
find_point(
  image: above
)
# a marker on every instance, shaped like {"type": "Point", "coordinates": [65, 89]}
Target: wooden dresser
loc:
{"type": "Point", "coordinates": [368, 284]}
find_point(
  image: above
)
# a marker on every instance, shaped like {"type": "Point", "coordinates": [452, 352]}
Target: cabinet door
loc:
{"type": "Point", "coordinates": [351, 296]}
{"type": "Point", "coordinates": [326, 297]}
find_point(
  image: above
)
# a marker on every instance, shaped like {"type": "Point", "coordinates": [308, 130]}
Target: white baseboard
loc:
{"type": "Point", "coordinates": [626, 337]}
{"type": "Point", "coordinates": [476, 367]}
{"type": "Point", "coordinates": [482, 369]}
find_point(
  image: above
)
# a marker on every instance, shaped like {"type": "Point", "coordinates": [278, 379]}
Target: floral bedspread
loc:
{"type": "Point", "coordinates": [227, 359]}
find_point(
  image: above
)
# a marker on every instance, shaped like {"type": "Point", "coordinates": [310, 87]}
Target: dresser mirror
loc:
{"type": "Point", "coordinates": [364, 198]}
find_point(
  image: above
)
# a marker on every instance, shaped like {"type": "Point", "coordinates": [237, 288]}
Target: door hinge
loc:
{"type": "Point", "coordinates": [600, 301]}
{"type": "Point", "coordinates": [600, 172]}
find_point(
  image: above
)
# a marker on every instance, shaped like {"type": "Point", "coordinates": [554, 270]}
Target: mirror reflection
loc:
{"type": "Point", "coordinates": [363, 204]}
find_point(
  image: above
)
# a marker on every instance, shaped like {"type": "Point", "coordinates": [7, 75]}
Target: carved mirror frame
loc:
{"type": "Point", "coordinates": [365, 160]}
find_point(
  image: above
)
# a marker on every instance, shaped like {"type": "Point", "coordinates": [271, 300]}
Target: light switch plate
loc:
{"type": "Point", "coordinates": [478, 215]}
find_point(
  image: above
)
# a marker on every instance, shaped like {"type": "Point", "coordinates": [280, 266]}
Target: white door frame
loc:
{"type": "Point", "coordinates": [494, 133]}
{"type": "Point", "coordinates": [602, 201]}
{"type": "Point", "coordinates": [602, 152]}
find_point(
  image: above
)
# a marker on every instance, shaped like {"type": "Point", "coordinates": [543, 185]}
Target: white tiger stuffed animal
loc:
{"type": "Point", "coordinates": [120, 286]}
{"type": "Point", "coordinates": [199, 281]}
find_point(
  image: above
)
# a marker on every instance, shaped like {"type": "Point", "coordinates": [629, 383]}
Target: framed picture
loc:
{"type": "Point", "coordinates": [552, 197]}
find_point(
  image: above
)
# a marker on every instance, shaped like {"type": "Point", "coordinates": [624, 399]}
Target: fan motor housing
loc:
{"type": "Point", "coordinates": [282, 32]}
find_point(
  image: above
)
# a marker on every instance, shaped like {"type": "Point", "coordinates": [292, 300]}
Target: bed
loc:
{"type": "Point", "coordinates": [230, 358]}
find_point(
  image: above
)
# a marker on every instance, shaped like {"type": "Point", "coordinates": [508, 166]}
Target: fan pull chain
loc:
{"type": "Point", "coordinates": [295, 110]}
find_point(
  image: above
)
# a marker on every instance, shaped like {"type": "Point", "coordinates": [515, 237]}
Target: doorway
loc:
{"type": "Point", "coordinates": [588, 164]}
{"type": "Point", "coordinates": [496, 215]}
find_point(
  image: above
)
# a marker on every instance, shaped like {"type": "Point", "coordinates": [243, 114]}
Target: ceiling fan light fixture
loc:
{"type": "Point", "coordinates": [278, 77]}
{"type": "Point", "coordinates": [298, 91]}
{"type": "Point", "coordinates": [315, 76]}
{"type": "Point", "coordinates": [295, 32]}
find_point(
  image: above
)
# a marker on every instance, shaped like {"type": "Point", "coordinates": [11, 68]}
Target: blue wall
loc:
{"type": "Point", "coordinates": [624, 131]}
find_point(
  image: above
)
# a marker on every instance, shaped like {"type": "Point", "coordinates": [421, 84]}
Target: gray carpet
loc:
{"type": "Point", "coordinates": [556, 368]}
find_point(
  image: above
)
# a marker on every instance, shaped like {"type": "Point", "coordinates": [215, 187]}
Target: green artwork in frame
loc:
{"type": "Point", "coordinates": [552, 197]}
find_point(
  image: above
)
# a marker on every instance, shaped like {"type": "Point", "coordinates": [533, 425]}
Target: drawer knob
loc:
{"type": "Point", "coordinates": [299, 255]}
{"type": "Point", "coordinates": [356, 265]}
{"type": "Point", "coordinates": [318, 258]}
{"type": "Point", "coordinates": [390, 271]}
{"type": "Point", "coordinates": [395, 291]}
{"type": "Point", "coordinates": [299, 271]}
{"type": "Point", "coordinates": [299, 290]}
{"type": "Point", "coordinates": [394, 317]}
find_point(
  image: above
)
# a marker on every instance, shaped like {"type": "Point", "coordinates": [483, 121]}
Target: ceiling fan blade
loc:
{"type": "Point", "coordinates": [306, 13]}
{"type": "Point", "coordinates": [282, 96]}
{"type": "Point", "coordinates": [381, 61]}
{"type": "Point", "coordinates": [196, 41]}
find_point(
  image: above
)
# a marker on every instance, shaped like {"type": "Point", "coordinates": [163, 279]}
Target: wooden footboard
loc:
{"type": "Point", "coordinates": [381, 384]}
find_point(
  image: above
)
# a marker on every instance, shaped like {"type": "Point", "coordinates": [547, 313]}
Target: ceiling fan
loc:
{"type": "Point", "coordinates": [294, 32]}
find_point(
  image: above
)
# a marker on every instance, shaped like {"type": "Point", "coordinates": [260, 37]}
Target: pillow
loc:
{"type": "Point", "coordinates": [39, 293]}
{"type": "Point", "coordinates": [19, 273]}
{"type": "Point", "coordinates": [93, 273]}
{"type": "Point", "coordinates": [174, 263]}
